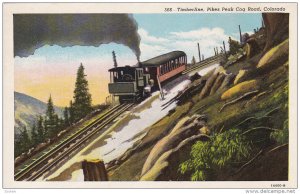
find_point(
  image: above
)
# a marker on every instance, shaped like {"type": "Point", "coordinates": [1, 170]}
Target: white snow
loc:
{"type": "Point", "coordinates": [122, 140]}
{"type": "Point", "coordinates": [207, 69]}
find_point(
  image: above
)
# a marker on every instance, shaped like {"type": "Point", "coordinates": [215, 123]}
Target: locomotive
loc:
{"type": "Point", "coordinates": [132, 83]}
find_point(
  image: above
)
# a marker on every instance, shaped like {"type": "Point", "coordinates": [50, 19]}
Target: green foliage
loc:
{"type": "Point", "coordinates": [34, 135]}
{"type": "Point", "coordinates": [82, 98]}
{"type": "Point", "coordinates": [71, 112]}
{"type": "Point", "coordinates": [66, 117]}
{"type": "Point", "coordinates": [282, 96]}
{"type": "Point", "coordinates": [40, 129]}
{"type": "Point", "coordinates": [210, 156]}
{"type": "Point", "coordinates": [193, 62]}
{"type": "Point", "coordinates": [234, 46]}
{"type": "Point", "coordinates": [281, 136]}
{"type": "Point", "coordinates": [22, 142]}
{"type": "Point", "coordinates": [51, 120]}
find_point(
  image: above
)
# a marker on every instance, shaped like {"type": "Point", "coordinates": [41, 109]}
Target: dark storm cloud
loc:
{"type": "Point", "coordinates": [32, 31]}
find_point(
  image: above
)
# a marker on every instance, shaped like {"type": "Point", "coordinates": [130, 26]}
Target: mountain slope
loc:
{"type": "Point", "coordinates": [27, 109]}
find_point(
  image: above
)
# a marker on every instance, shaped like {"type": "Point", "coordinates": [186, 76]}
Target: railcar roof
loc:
{"type": "Point", "coordinates": [121, 68]}
{"type": "Point", "coordinates": [159, 60]}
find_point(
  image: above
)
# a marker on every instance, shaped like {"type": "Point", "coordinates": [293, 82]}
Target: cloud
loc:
{"type": "Point", "coordinates": [146, 38]}
{"type": "Point", "coordinates": [201, 34]}
{"type": "Point", "coordinates": [208, 38]}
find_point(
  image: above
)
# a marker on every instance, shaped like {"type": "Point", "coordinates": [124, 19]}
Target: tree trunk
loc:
{"type": "Point", "coordinates": [94, 170]}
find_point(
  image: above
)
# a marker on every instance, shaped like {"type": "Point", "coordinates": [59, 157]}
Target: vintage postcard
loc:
{"type": "Point", "coordinates": [162, 95]}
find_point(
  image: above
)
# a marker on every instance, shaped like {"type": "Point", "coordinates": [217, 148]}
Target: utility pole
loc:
{"type": "Point", "coordinates": [240, 34]}
{"type": "Point", "coordinates": [262, 23]}
{"type": "Point", "coordinates": [199, 52]}
{"type": "Point", "coordinates": [224, 49]}
{"type": "Point", "coordinates": [114, 59]}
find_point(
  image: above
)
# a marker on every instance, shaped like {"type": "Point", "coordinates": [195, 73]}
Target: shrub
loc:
{"type": "Point", "coordinates": [281, 136]}
{"type": "Point", "coordinates": [234, 46]}
{"type": "Point", "coordinates": [211, 156]}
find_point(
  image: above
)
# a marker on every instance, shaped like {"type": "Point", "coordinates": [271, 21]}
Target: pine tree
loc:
{"type": "Point", "coordinates": [24, 141]}
{"type": "Point", "coordinates": [233, 46]}
{"type": "Point", "coordinates": [66, 116]}
{"type": "Point", "coordinates": [40, 129]}
{"type": "Point", "coordinates": [193, 61]}
{"type": "Point", "coordinates": [34, 135]}
{"type": "Point", "coordinates": [17, 145]}
{"type": "Point", "coordinates": [71, 112]}
{"type": "Point", "coordinates": [82, 97]}
{"type": "Point", "coordinates": [50, 120]}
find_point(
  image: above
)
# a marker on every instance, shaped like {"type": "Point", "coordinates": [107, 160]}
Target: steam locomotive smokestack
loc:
{"type": "Point", "coordinates": [114, 59]}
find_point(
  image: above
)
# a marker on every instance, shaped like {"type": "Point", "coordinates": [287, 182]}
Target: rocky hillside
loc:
{"type": "Point", "coordinates": [27, 108]}
{"type": "Point", "coordinates": [231, 124]}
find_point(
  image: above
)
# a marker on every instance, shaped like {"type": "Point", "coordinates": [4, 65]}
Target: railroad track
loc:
{"type": "Point", "coordinates": [48, 160]}
{"type": "Point", "coordinates": [203, 63]}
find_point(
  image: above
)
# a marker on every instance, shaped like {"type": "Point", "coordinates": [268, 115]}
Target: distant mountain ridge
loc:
{"type": "Point", "coordinates": [27, 109]}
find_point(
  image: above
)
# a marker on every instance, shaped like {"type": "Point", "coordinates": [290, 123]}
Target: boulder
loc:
{"type": "Point", "coordinates": [185, 128]}
{"type": "Point", "coordinates": [241, 76]}
{"type": "Point", "coordinates": [210, 82]}
{"type": "Point", "coordinates": [205, 130]}
{"type": "Point", "coordinates": [240, 89]}
{"type": "Point", "coordinates": [163, 168]}
{"type": "Point", "coordinates": [278, 55]}
{"type": "Point", "coordinates": [227, 81]}
{"type": "Point", "coordinates": [217, 83]}
{"type": "Point", "coordinates": [208, 85]}
{"type": "Point", "coordinates": [251, 48]}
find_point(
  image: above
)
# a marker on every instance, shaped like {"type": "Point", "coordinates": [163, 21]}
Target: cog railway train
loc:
{"type": "Point", "coordinates": [132, 83]}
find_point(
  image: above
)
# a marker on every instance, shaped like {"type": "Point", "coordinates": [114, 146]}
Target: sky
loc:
{"type": "Point", "coordinates": [52, 69]}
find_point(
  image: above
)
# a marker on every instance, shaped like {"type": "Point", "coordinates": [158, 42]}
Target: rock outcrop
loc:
{"type": "Point", "coordinates": [277, 28]}
{"type": "Point", "coordinates": [186, 129]}
{"type": "Point", "coordinates": [275, 56]}
{"type": "Point", "coordinates": [240, 89]}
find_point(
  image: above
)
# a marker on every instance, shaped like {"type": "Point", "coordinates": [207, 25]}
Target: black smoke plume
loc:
{"type": "Point", "coordinates": [32, 31]}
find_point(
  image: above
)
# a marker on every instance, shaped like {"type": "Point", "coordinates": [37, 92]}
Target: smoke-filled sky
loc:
{"type": "Point", "coordinates": [41, 69]}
